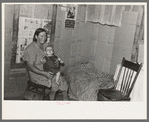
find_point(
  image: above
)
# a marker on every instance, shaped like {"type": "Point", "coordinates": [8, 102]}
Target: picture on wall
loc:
{"type": "Point", "coordinates": [71, 13]}
{"type": "Point", "coordinates": [70, 16]}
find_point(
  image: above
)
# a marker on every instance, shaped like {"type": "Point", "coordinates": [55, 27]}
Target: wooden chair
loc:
{"type": "Point", "coordinates": [127, 76]}
{"type": "Point", "coordinates": [37, 88]}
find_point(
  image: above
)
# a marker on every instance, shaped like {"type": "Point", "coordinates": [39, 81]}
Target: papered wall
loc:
{"type": "Point", "coordinates": [41, 11]}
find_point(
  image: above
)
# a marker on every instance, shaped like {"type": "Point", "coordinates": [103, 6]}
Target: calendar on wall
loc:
{"type": "Point", "coordinates": [27, 27]}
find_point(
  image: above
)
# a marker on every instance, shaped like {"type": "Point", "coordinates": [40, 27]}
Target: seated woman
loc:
{"type": "Point", "coordinates": [33, 54]}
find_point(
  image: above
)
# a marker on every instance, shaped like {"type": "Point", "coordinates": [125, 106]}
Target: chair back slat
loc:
{"type": "Point", "coordinates": [135, 78]}
{"type": "Point", "coordinates": [126, 80]}
{"type": "Point", "coordinates": [123, 81]}
{"type": "Point", "coordinates": [129, 80]}
{"type": "Point", "coordinates": [127, 76]}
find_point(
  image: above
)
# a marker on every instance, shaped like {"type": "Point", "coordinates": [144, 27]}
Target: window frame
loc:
{"type": "Point", "coordinates": [16, 15]}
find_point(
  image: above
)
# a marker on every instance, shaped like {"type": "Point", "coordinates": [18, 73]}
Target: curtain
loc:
{"type": "Point", "coordinates": [105, 14]}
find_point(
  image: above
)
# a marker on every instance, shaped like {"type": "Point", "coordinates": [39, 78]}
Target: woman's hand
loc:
{"type": "Point", "coordinates": [48, 75]}
{"type": "Point", "coordinates": [61, 61]}
{"type": "Point", "coordinates": [43, 60]}
{"type": "Point", "coordinates": [57, 63]}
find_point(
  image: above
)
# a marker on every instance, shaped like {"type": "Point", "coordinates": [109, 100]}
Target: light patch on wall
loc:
{"type": "Point", "coordinates": [63, 7]}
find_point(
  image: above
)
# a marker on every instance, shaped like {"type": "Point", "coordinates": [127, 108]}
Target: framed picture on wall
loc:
{"type": "Point", "coordinates": [71, 12]}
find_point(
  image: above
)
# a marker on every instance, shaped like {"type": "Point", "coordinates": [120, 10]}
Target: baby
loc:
{"type": "Point", "coordinates": [49, 64]}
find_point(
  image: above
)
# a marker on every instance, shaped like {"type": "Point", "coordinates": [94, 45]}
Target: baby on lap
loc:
{"type": "Point", "coordinates": [49, 65]}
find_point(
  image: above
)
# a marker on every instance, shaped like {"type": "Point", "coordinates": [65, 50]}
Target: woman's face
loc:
{"type": "Point", "coordinates": [41, 38]}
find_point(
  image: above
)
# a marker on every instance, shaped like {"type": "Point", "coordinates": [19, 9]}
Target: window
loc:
{"type": "Point", "coordinates": [27, 27]}
{"type": "Point", "coordinates": [27, 18]}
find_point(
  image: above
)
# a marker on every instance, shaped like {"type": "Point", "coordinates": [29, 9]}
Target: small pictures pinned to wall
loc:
{"type": "Point", "coordinates": [70, 16]}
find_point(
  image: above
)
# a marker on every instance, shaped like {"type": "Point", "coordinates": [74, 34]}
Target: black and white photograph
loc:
{"type": "Point", "coordinates": [67, 59]}
{"type": "Point", "coordinates": [71, 12]}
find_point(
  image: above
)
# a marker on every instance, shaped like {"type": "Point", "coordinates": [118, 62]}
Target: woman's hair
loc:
{"type": "Point", "coordinates": [39, 30]}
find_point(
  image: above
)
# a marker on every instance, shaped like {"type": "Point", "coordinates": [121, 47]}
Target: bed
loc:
{"type": "Point", "coordinates": [85, 80]}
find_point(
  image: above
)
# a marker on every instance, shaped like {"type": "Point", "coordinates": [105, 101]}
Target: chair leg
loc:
{"type": "Point", "coordinates": [65, 96]}
{"type": "Point", "coordinates": [28, 86]}
{"type": "Point", "coordinates": [47, 93]}
{"type": "Point", "coordinates": [52, 95]}
{"type": "Point", "coordinates": [43, 93]}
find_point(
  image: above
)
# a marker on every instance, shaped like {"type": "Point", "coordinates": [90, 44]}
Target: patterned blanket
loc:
{"type": "Point", "coordinates": [84, 82]}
